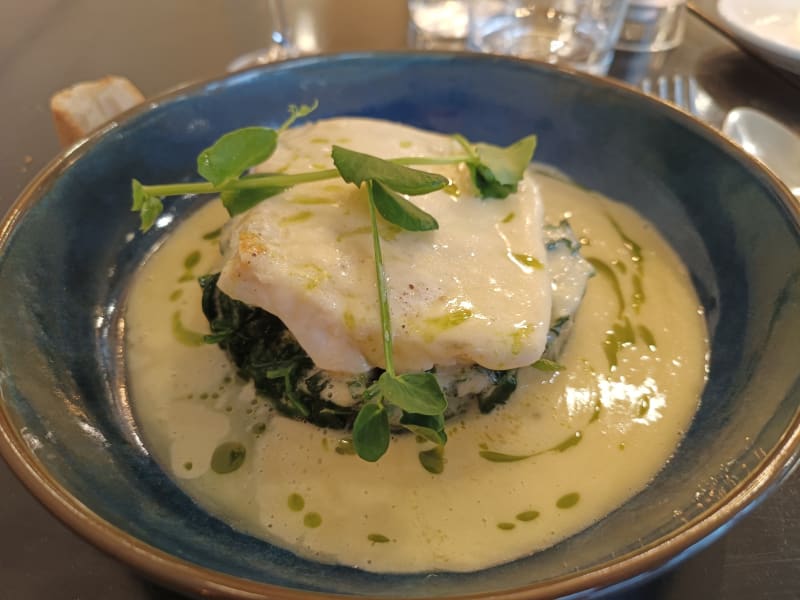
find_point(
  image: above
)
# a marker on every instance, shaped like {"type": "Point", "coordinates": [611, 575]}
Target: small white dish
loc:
{"type": "Point", "coordinates": [769, 28]}
{"type": "Point", "coordinates": [769, 141]}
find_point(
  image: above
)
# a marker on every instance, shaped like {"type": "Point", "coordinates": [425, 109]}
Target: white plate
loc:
{"type": "Point", "coordinates": [770, 28]}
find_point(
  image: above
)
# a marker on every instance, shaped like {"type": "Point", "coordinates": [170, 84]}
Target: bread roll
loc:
{"type": "Point", "coordinates": [81, 108]}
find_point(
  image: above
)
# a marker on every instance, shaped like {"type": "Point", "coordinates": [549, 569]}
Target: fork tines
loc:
{"type": "Point", "coordinates": [680, 90]}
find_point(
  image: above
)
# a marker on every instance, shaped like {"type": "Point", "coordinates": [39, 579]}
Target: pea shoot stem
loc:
{"type": "Point", "coordinates": [383, 294]}
{"type": "Point", "coordinates": [280, 180]}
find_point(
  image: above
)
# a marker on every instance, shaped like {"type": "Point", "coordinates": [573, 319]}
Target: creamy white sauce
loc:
{"type": "Point", "coordinates": [595, 434]}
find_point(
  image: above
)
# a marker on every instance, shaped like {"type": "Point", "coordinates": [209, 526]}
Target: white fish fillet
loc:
{"type": "Point", "coordinates": [472, 291]}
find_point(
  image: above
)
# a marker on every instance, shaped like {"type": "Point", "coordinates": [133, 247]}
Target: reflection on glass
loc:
{"type": "Point", "coordinates": [281, 44]}
{"type": "Point", "coordinates": [438, 24]}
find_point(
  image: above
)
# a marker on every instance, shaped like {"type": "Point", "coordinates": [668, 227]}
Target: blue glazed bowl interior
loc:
{"type": "Point", "coordinates": [71, 247]}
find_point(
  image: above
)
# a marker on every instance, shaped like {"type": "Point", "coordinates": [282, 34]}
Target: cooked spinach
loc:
{"type": "Point", "coordinates": [265, 351]}
{"type": "Point", "coordinates": [503, 385]}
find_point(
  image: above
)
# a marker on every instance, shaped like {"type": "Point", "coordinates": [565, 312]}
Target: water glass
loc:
{"type": "Point", "coordinates": [577, 33]}
{"type": "Point", "coordinates": [438, 24]}
{"type": "Point", "coordinates": [279, 45]}
{"type": "Point", "coordinates": [653, 25]}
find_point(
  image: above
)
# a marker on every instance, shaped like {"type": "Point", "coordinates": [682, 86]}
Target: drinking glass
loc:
{"type": "Point", "coordinates": [281, 44]}
{"type": "Point", "coordinates": [654, 25]}
{"type": "Point", "coordinates": [577, 33]}
{"type": "Point", "coordinates": [438, 24]}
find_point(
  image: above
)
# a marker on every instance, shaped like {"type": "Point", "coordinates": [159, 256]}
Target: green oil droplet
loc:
{"type": "Point", "coordinates": [528, 261]}
{"type": "Point", "coordinates": [213, 234]}
{"type": "Point", "coordinates": [548, 366]}
{"type": "Point", "coordinates": [185, 336]}
{"type": "Point", "coordinates": [568, 443]}
{"type": "Point", "coordinates": [528, 515]}
{"type": "Point", "coordinates": [188, 465]}
{"type": "Point", "coordinates": [452, 318]}
{"type": "Point", "coordinates": [500, 457]}
{"type": "Point", "coordinates": [452, 190]}
{"type": "Point", "coordinates": [605, 271]}
{"type": "Point", "coordinates": [634, 248]}
{"type": "Point", "coordinates": [378, 538]}
{"type": "Point", "coordinates": [345, 447]}
{"type": "Point", "coordinates": [228, 457]}
{"type": "Point", "coordinates": [508, 218]}
{"type": "Point", "coordinates": [647, 336]}
{"type": "Point", "coordinates": [568, 500]}
{"type": "Point", "coordinates": [191, 260]}
{"type": "Point", "coordinates": [298, 217]}
{"type": "Point", "coordinates": [296, 502]}
{"type": "Point", "coordinates": [312, 520]}
{"type": "Point", "coordinates": [313, 200]}
{"type": "Point", "coordinates": [175, 295]}
{"type": "Point", "coordinates": [432, 460]}
{"type": "Point", "coordinates": [638, 297]}
{"type": "Point", "coordinates": [349, 320]}
{"type": "Point", "coordinates": [621, 335]}
{"type": "Point", "coordinates": [518, 337]}
{"type": "Point", "coordinates": [505, 526]}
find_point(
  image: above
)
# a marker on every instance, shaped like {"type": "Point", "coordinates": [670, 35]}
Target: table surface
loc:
{"type": "Point", "coordinates": [46, 45]}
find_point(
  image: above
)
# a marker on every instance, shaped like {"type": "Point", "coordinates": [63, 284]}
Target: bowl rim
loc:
{"type": "Point", "coordinates": [182, 575]}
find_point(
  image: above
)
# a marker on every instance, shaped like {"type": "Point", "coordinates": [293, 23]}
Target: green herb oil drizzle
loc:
{"type": "Point", "coordinates": [228, 457]}
{"type": "Point", "coordinates": [433, 460]}
{"type": "Point", "coordinates": [185, 336]}
{"type": "Point", "coordinates": [568, 500]}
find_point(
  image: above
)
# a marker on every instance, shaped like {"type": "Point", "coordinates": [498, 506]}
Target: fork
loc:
{"type": "Point", "coordinates": [680, 90]}
{"type": "Point", "coordinates": [684, 92]}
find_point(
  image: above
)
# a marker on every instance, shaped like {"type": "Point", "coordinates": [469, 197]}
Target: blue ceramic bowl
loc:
{"type": "Point", "coordinates": [69, 248]}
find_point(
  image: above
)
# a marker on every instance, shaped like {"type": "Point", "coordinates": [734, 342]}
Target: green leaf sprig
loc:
{"type": "Point", "coordinates": [417, 395]}
{"type": "Point", "coordinates": [223, 165]}
{"type": "Point", "coordinates": [495, 170]}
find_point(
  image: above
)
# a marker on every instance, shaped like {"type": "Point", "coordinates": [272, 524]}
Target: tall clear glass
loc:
{"type": "Point", "coordinates": [438, 24]}
{"type": "Point", "coordinates": [280, 44]}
